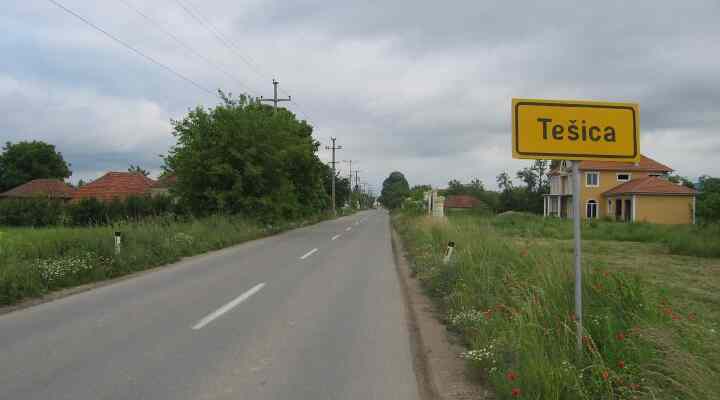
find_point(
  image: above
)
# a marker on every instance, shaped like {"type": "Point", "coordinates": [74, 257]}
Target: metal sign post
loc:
{"type": "Point", "coordinates": [576, 130]}
{"type": "Point", "coordinates": [578, 248]}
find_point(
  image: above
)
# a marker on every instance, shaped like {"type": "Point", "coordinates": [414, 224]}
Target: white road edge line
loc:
{"type": "Point", "coordinates": [308, 254]}
{"type": "Point", "coordinates": [336, 236]}
{"type": "Point", "coordinates": [348, 229]}
{"type": "Point", "coordinates": [227, 307]}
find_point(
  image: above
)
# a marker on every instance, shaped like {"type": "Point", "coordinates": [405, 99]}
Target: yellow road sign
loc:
{"type": "Point", "coordinates": [575, 130]}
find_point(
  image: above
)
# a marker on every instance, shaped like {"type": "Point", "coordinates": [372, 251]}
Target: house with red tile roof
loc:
{"type": "Point", "coordinates": [622, 191]}
{"type": "Point", "coordinates": [461, 202]}
{"type": "Point", "coordinates": [112, 185]}
{"type": "Point", "coordinates": [41, 188]}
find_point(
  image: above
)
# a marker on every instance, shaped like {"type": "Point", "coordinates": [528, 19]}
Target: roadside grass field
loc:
{"type": "Point", "coordinates": [651, 317]}
{"type": "Point", "coordinates": [35, 261]}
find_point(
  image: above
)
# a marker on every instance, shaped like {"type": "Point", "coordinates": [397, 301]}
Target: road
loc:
{"type": "Point", "coordinates": [314, 313]}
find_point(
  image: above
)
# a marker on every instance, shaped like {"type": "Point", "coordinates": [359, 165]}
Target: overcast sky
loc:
{"type": "Point", "coordinates": [423, 87]}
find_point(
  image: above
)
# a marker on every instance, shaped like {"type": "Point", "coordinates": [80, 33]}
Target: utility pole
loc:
{"type": "Point", "coordinates": [333, 162]}
{"type": "Point", "coordinates": [350, 179]}
{"type": "Point", "coordinates": [275, 99]}
{"type": "Point", "coordinates": [357, 180]}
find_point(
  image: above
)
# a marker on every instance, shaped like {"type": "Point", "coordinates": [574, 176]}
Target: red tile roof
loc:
{"type": "Point", "coordinates": [115, 184]}
{"type": "Point", "coordinates": [650, 185]}
{"type": "Point", "coordinates": [460, 201]}
{"type": "Point", "coordinates": [52, 188]}
{"type": "Point", "coordinates": [646, 164]}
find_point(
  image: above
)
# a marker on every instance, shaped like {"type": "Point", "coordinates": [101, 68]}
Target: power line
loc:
{"type": "Point", "coordinates": [186, 46]}
{"type": "Point", "coordinates": [230, 45]}
{"type": "Point", "coordinates": [130, 47]}
{"type": "Point", "coordinates": [190, 10]}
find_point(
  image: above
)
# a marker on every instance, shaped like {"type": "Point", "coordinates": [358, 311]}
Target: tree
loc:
{"type": "Point", "coordinates": [135, 169]}
{"type": "Point", "coordinates": [24, 161]}
{"type": "Point", "coordinates": [243, 157]}
{"type": "Point", "coordinates": [454, 188]}
{"type": "Point", "coordinates": [395, 190]}
{"type": "Point", "coordinates": [504, 182]}
{"type": "Point", "coordinates": [708, 201]}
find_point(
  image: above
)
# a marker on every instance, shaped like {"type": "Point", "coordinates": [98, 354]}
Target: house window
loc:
{"type": "Point", "coordinates": [592, 179]}
{"type": "Point", "coordinates": [623, 177]}
{"type": "Point", "coordinates": [591, 209]}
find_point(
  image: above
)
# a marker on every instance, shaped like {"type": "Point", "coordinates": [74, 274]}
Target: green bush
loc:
{"type": "Point", "coordinates": [31, 212]}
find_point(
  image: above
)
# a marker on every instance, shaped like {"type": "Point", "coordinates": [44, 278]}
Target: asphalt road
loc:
{"type": "Point", "coordinates": [315, 313]}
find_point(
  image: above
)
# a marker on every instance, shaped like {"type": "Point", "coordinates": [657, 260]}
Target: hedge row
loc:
{"type": "Point", "coordinates": [90, 211]}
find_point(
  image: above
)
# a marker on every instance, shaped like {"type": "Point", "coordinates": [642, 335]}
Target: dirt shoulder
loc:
{"type": "Point", "coordinates": [441, 373]}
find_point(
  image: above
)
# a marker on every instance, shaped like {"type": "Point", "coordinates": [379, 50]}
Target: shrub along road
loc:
{"type": "Point", "coordinates": [306, 314]}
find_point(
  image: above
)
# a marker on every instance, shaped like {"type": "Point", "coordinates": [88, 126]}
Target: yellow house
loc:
{"type": "Point", "coordinates": [623, 192]}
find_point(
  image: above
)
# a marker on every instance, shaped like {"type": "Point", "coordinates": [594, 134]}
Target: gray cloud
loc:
{"type": "Point", "coordinates": [422, 87]}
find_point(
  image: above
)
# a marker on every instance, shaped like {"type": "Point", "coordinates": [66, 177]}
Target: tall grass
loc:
{"type": "Point", "coordinates": [512, 302]}
{"type": "Point", "coordinates": [693, 240]}
{"type": "Point", "coordinates": [36, 261]}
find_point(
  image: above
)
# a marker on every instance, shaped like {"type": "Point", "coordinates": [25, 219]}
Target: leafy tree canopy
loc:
{"type": "Point", "coordinates": [243, 157]}
{"type": "Point", "coordinates": [24, 161]}
{"type": "Point", "coordinates": [395, 189]}
{"type": "Point", "coordinates": [708, 201]}
{"type": "Point", "coordinates": [135, 169]}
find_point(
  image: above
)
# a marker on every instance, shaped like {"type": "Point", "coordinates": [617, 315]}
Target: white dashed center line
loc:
{"type": "Point", "coordinates": [308, 254]}
{"type": "Point", "coordinates": [348, 229]}
{"type": "Point", "coordinates": [227, 307]}
{"type": "Point", "coordinates": [335, 237]}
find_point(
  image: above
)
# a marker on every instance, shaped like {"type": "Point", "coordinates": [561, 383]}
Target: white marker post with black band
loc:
{"type": "Point", "coordinates": [448, 252]}
{"type": "Point", "coordinates": [118, 242]}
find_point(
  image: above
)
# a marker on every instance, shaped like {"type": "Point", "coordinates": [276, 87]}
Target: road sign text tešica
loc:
{"type": "Point", "coordinates": [575, 130]}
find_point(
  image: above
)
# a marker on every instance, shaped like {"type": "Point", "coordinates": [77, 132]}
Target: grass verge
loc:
{"type": "Point", "coordinates": [510, 297]}
{"type": "Point", "coordinates": [692, 240]}
{"type": "Point", "coordinates": [34, 262]}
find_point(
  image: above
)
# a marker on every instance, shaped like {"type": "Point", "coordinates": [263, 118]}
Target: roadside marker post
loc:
{"type": "Point", "coordinates": [449, 252]}
{"type": "Point", "coordinates": [575, 131]}
{"type": "Point", "coordinates": [118, 241]}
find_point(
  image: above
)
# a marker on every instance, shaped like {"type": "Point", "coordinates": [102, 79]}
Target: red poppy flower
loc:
{"type": "Point", "coordinates": [676, 317]}
{"type": "Point", "coordinates": [620, 336]}
{"type": "Point", "coordinates": [516, 392]}
{"type": "Point", "coordinates": [605, 375]}
{"type": "Point", "coordinates": [621, 364]}
{"type": "Point", "coordinates": [691, 317]}
{"type": "Point", "coordinates": [511, 376]}
{"type": "Point", "coordinates": [487, 314]}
